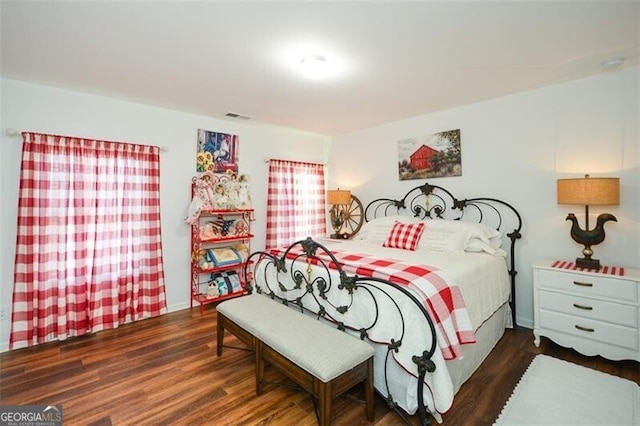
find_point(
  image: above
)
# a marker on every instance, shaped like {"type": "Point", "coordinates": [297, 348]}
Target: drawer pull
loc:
{"type": "Point", "coordinates": [581, 328]}
{"type": "Point", "coordinates": [586, 308]}
{"type": "Point", "coordinates": [581, 284]}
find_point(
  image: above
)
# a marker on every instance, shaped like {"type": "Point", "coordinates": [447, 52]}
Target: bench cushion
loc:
{"type": "Point", "coordinates": [321, 350]}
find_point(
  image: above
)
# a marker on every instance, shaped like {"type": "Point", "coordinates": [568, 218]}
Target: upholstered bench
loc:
{"type": "Point", "coordinates": [321, 359]}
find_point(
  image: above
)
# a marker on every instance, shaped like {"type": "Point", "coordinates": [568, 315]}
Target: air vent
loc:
{"type": "Point", "coordinates": [238, 116]}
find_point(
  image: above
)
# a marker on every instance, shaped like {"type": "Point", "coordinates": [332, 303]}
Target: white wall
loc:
{"type": "Point", "coordinates": [514, 148]}
{"type": "Point", "coordinates": [29, 107]}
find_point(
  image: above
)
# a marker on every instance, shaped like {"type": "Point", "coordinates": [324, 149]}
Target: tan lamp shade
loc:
{"type": "Point", "coordinates": [338, 197]}
{"type": "Point", "coordinates": [589, 191]}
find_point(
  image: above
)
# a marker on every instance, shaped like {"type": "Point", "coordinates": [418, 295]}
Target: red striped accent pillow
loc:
{"type": "Point", "coordinates": [404, 235]}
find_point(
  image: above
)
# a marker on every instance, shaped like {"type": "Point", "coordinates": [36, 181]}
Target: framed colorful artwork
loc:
{"type": "Point", "coordinates": [433, 156]}
{"type": "Point", "coordinates": [217, 152]}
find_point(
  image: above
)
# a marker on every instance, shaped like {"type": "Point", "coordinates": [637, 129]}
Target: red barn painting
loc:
{"type": "Point", "coordinates": [421, 158]}
{"type": "Point", "coordinates": [431, 156]}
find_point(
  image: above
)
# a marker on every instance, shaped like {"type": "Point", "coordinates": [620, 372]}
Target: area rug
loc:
{"type": "Point", "coordinates": [557, 392]}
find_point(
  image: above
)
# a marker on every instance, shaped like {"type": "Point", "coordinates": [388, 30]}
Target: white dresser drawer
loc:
{"type": "Point", "coordinates": [607, 333]}
{"type": "Point", "coordinates": [593, 312]}
{"type": "Point", "coordinates": [595, 309]}
{"type": "Point", "coordinates": [604, 287]}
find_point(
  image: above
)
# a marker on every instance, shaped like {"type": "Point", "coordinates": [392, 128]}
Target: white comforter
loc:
{"type": "Point", "coordinates": [483, 279]}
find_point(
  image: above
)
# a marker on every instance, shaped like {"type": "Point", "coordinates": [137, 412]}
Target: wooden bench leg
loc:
{"type": "Point", "coordinates": [259, 366]}
{"type": "Point", "coordinates": [324, 403]}
{"type": "Point", "coordinates": [220, 334]}
{"type": "Point", "coordinates": [368, 390]}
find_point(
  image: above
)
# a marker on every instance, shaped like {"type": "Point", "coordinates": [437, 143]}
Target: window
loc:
{"type": "Point", "coordinates": [295, 202]}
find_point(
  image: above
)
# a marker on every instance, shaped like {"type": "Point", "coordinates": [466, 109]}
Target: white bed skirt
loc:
{"type": "Point", "coordinates": [403, 387]}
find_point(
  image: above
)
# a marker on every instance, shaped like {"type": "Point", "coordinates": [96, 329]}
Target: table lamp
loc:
{"type": "Point", "coordinates": [589, 191]}
{"type": "Point", "coordinates": [339, 201]}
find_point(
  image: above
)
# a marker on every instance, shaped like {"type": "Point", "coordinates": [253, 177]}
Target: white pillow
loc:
{"type": "Point", "coordinates": [476, 230]}
{"type": "Point", "coordinates": [480, 237]}
{"type": "Point", "coordinates": [477, 245]}
{"type": "Point", "coordinates": [443, 241]}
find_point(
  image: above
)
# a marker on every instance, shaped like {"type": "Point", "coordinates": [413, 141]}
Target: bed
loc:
{"type": "Point", "coordinates": [429, 282]}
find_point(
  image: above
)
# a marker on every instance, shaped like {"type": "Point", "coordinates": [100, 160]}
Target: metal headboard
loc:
{"type": "Point", "coordinates": [432, 201]}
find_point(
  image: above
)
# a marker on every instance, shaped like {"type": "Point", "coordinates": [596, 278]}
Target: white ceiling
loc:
{"type": "Point", "coordinates": [393, 60]}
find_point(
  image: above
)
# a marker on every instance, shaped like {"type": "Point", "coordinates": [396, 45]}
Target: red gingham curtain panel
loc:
{"type": "Point", "coordinates": [89, 251]}
{"type": "Point", "coordinates": [295, 202]}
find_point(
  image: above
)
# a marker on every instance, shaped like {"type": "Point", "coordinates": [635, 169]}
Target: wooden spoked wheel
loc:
{"type": "Point", "coordinates": [353, 218]}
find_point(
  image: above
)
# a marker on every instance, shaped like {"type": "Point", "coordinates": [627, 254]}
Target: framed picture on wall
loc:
{"type": "Point", "coordinates": [432, 156]}
{"type": "Point", "coordinates": [217, 152]}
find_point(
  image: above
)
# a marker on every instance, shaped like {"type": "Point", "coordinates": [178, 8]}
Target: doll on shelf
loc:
{"type": "Point", "coordinates": [220, 199]}
{"type": "Point", "coordinates": [232, 189]}
{"type": "Point", "coordinates": [202, 197]}
{"type": "Point", "coordinates": [212, 289]}
{"type": "Point", "coordinates": [244, 193]}
{"type": "Point", "coordinates": [241, 228]}
{"type": "Point", "coordinates": [208, 231]}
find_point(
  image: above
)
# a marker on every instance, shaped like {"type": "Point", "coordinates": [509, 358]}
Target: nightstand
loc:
{"type": "Point", "coordinates": [595, 313]}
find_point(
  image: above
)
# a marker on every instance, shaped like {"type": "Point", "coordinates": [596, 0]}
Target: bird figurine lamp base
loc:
{"type": "Point", "coordinates": [588, 262]}
{"type": "Point", "coordinates": [589, 237]}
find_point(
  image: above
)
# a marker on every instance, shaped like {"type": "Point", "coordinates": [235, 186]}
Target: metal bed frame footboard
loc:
{"type": "Point", "coordinates": [304, 278]}
{"type": "Point", "coordinates": [435, 202]}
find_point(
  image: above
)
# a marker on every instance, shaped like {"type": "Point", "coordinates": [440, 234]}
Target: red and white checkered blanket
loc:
{"type": "Point", "coordinates": [443, 301]}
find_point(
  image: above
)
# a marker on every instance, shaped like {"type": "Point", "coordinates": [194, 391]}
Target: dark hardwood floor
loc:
{"type": "Point", "coordinates": [165, 371]}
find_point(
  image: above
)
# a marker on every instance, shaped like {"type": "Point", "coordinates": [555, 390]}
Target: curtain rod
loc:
{"type": "Point", "coordinates": [12, 133]}
{"type": "Point", "coordinates": [266, 160]}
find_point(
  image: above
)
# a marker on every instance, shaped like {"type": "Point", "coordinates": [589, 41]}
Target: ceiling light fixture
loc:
{"type": "Point", "coordinates": [315, 66]}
